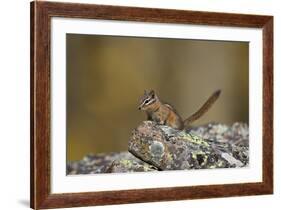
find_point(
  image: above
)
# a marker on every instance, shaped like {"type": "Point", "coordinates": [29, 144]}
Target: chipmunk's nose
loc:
{"type": "Point", "coordinates": [139, 108]}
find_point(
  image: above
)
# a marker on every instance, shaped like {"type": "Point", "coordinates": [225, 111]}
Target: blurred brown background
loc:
{"type": "Point", "coordinates": [106, 75]}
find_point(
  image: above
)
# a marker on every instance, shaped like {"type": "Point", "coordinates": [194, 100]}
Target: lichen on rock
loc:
{"type": "Point", "coordinates": [174, 150]}
{"type": "Point", "coordinates": [156, 147]}
{"type": "Point", "coordinates": [115, 162]}
{"type": "Point", "coordinates": [129, 164]}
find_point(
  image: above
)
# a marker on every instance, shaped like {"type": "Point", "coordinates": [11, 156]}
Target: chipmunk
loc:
{"type": "Point", "coordinates": [165, 114]}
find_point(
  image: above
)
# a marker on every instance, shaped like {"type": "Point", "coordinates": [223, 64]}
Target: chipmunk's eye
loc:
{"type": "Point", "coordinates": [146, 101]}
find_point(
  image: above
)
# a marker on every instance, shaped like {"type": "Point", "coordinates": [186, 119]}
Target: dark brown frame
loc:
{"type": "Point", "coordinates": [41, 14]}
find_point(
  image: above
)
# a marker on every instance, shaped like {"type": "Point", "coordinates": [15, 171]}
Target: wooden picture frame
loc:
{"type": "Point", "coordinates": [41, 14]}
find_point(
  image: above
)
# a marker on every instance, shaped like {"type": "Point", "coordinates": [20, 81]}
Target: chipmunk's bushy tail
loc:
{"type": "Point", "coordinates": [206, 106]}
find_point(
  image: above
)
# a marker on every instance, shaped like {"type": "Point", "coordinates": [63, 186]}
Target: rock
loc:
{"type": "Point", "coordinates": [116, 162]}
{"type": "Point", "coordinates": [237, 136]}
{"type": "Point", "coordinates": [90, 164]}
{"type": "Point", "coordinates": [129, 164]}
{"type": "Point", "coordinates": [210, 146]}
{"type": "Point", "coordinates": [157, 147]}
{"type": "Point", "coordinates": [94, 163]}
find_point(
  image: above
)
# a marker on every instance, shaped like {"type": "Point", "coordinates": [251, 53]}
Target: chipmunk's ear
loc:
{"type": "Point", "coordinates": [152, 93]}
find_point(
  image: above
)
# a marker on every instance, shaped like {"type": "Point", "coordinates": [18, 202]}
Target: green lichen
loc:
{"type": "Point", "coordinates": [169, 157]}
{"type": "Point", "coordinates": [220, 164]}
{"type": "Point", "coordinates": [197, 154]}
{"type": "Point", "coordinates": [194, 139]}
{"type": "Point", "coordinates": [130, 165]}
{"type": "Point", "coordinates": [126, 163]}
{"type": "Point", "coordinates": [170, 149]}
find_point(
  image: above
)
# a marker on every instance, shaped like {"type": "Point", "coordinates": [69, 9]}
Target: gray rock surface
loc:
{"type": "Point", "coordinates": [236, 136]}
{"type": "Point", "coordinates": [129, 164]}
{"type": "Point", "coordinates": [157, 147]}
{"type": "Point", "coordinates": [116, 162]}
{"type": "Point", "coordinates": [170, 149]}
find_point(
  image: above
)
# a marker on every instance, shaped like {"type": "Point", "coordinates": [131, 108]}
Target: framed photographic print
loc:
{"type": "Point", "coordinates": [139, 105]}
